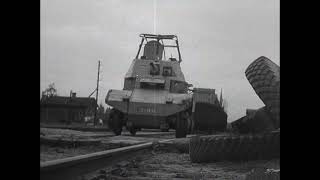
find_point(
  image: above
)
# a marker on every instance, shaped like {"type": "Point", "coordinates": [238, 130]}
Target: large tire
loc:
{"type": "Point", "coordinates": [264, 77]}
{"type": "Point", "coordinates": [234, 148]}
{"type": "Point", "coordinates": [181, 125]}
{"type": "Point", "coordinates": [115, 122]}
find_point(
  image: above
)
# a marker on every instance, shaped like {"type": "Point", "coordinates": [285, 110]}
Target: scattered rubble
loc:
{"type": "Point", "coordinates": [263, 174]}
{"type": "Point", "coordinates": [62, 143]}
{"type": "Point", "coordinates": [175, 165]}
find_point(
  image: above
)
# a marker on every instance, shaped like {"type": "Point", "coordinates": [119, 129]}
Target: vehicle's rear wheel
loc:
{"type": "Point", "coordinates": [131, 128]}
{"type": "Point", "coordinates": [115, 122]}
{"type": "Point", "coordinates": [181, 125]}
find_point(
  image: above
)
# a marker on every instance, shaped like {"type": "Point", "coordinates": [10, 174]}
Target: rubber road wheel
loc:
{"type": "Point", "coordinates": [182, 125]}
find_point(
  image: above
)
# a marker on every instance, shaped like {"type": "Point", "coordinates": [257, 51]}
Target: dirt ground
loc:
{"type": "Point", "coordinates": [75, 134]}
{"type": "Point", "coordinates": [163, 162]}
{"type": "Point", "coordinates": [173, 165]}
{"type": "Point", "coordinates": [48, 153]}
{"type": "Point", "coordinates": [67, 133]}
{"type": "Point", "coordinates": [62, 143]}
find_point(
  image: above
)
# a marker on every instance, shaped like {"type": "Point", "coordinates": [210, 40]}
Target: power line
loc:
{"type": "Point", "coordinates": [92, 92]}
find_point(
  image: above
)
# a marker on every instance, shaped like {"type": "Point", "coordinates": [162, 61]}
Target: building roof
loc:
{"type": "Point", "coordinates": [68, 101]}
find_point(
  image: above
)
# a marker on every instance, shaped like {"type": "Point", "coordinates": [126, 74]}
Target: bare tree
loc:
{"type": "Point", "coordinates": [50, 91]}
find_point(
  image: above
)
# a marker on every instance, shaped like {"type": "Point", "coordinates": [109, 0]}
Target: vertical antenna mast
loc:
{"type": "Point", "coordinates": [97, 91]}
{"type": "Point", "coordinates": [154, 15]}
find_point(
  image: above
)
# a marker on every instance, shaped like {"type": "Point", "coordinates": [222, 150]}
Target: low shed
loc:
{"type": "Point", "coordinates": [66, 109]}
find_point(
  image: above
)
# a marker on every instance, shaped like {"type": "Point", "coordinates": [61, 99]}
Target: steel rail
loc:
{"type": "Point", "coordinates": [74, 167]}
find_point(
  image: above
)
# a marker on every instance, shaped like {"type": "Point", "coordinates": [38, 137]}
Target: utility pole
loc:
{"type": "Point", "coordinates": [97, 92]}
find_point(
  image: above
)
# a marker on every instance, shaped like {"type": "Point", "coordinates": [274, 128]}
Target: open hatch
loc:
{"type": "Point", "coordinates": [159, 47]}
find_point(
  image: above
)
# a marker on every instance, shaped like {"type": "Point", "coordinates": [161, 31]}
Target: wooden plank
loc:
{"type": "Point", "coordinates": [73, 167]}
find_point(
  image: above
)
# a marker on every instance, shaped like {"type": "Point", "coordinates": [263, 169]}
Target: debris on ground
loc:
{"type": "Point", "coordinates": [63, 143]}
{"type": "Point", "coordinates": [263, 174]}
{"type": "Point", "coordinates": [175, 165]}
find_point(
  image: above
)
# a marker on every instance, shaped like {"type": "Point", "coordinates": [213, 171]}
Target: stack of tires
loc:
{"type": "Point", "coordinates": [264, 77]}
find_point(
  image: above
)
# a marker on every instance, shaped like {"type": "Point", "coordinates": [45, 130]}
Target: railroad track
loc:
{"type": "Point", "coordinates": [74, 167]}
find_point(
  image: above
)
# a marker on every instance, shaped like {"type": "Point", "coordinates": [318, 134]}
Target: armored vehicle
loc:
{"type": "Point", "coordinates": [156, 95]}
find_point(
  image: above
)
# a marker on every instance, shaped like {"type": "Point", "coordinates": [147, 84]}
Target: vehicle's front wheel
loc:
{"type": "Point", "coordinates": [133, 131]}
{"type": "Point", "coordinates": [115, 122]}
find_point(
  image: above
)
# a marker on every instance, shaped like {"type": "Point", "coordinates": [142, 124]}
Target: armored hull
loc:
{"type": "Point", "coordinates": [145, 108]}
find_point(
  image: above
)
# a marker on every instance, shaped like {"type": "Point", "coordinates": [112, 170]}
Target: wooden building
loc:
{"type": "Point", "coordinates": [66, 110]}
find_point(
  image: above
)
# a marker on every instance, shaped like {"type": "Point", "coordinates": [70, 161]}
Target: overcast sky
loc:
{"type": "Point", "coordinates": [218, 40]}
